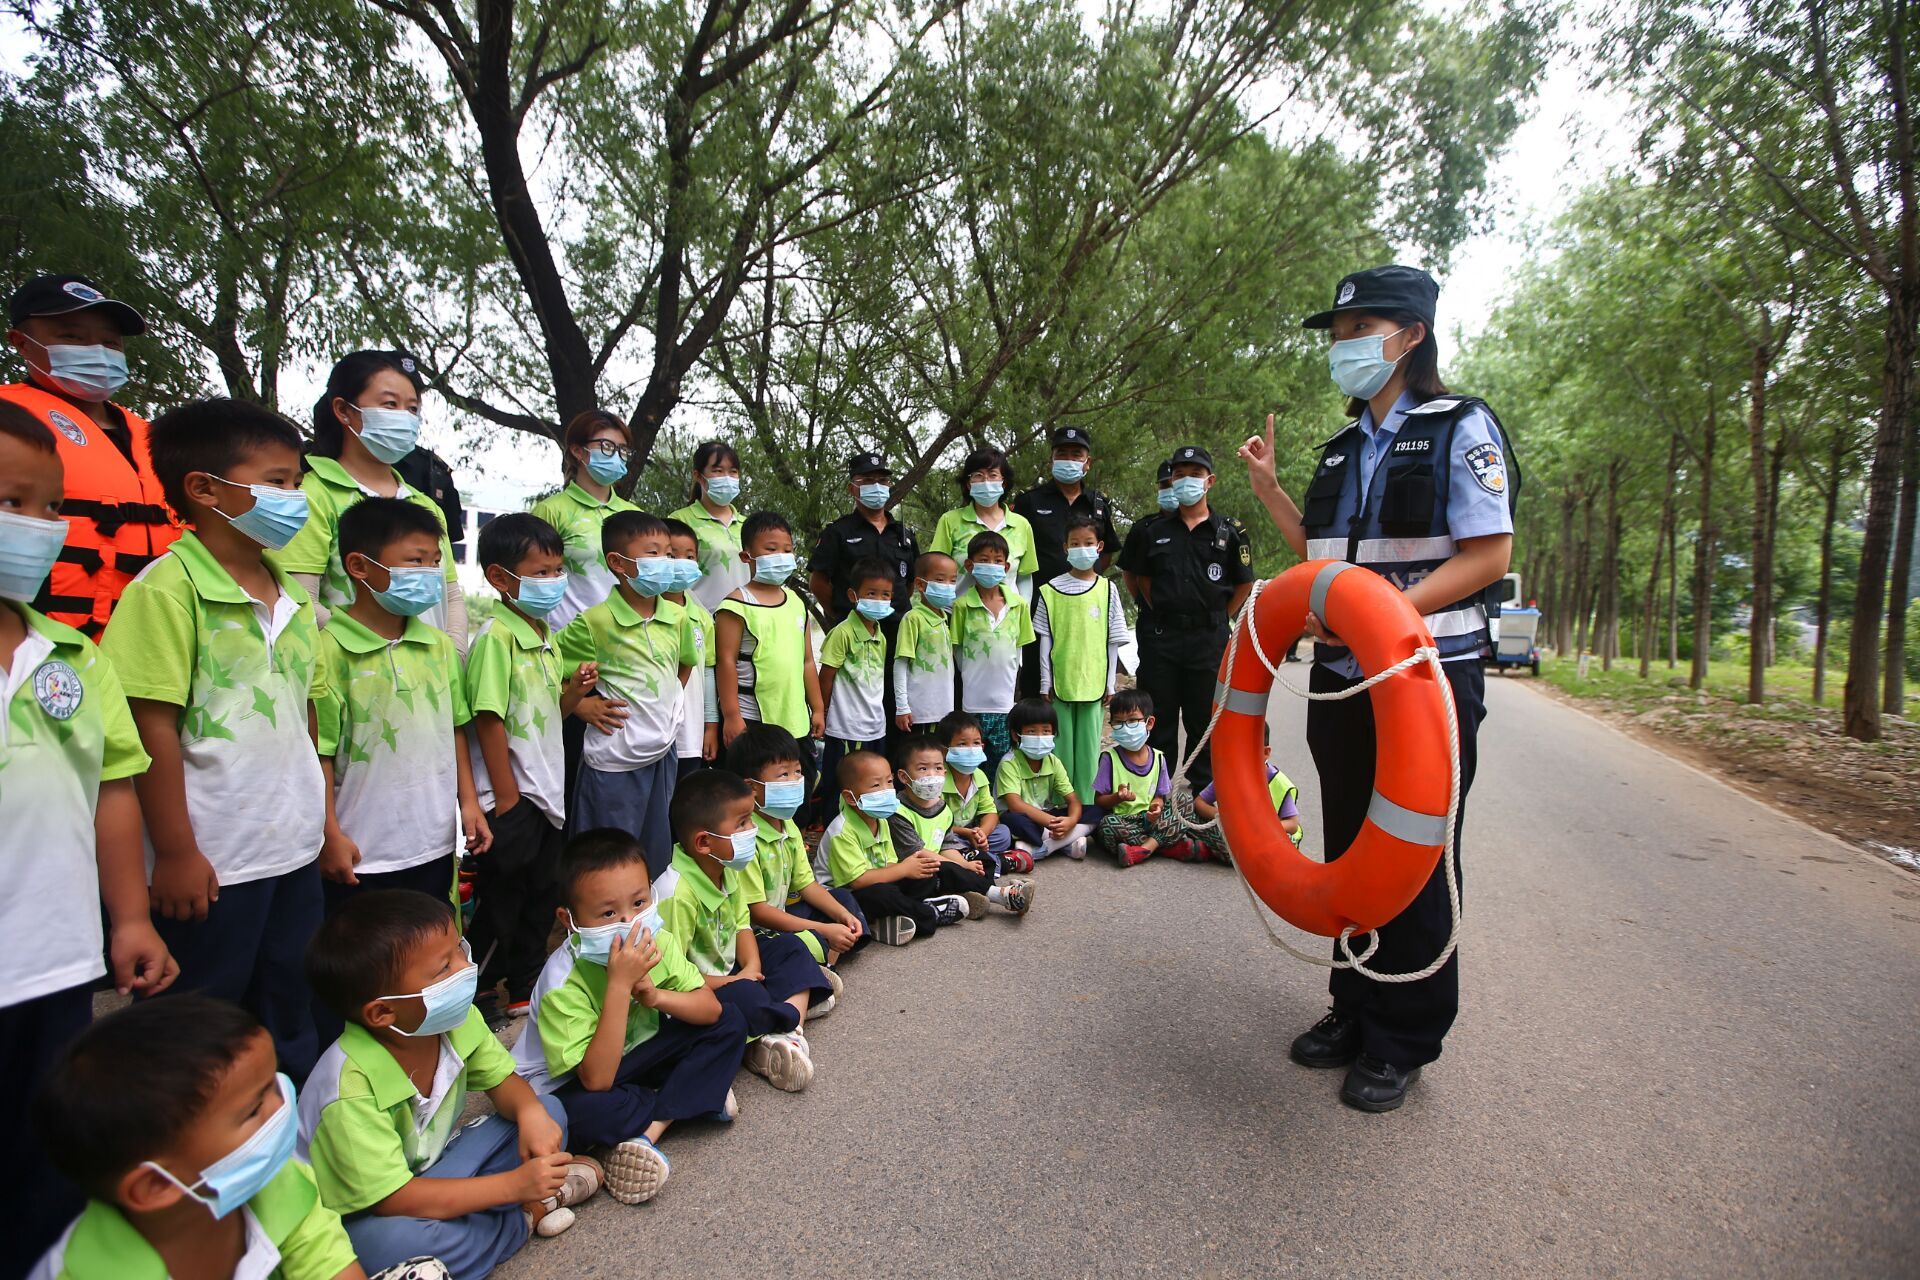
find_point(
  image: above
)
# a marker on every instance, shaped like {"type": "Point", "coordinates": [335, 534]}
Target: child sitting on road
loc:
{"type": "Point", "coordinates": [1043, 810]}
{"type": "Point", "coordinates": [1280, 789]}
{"type": "Point", "coordinates": [783, 896]}
{"type": "Point", "coordinates": [699, 742]}
{"type": "Point", "coordinates": [923, 821]}
{"type": "Point", "coordinates": [904, 899]}
{"type": "Point", "coordinates": [923, 649]}
{"type": "Point", "coordinates": [771, 981]}
{"type": "Point", "coordinates": [853, 672]}
{"type": "Point", "coordinates": [392, 1159]}
{"type": "Point", "coordinates": [976, 822]}
{"type": "Point", "coordinates": [991, 627]}
{"type": "Point", "coordinates": [623, 1029]}
{"type": "Point", "coordinates": [1133, 787]}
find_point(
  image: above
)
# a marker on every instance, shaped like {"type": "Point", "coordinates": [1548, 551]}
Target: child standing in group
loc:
{"type": "Point", "coordinates": [1082, 628]}
{"type": "Point", "coordinates": [1280, 789]}
{"type": "Point", "coordinates": [772, 981]}
{"type": "Point", "coordinates": [783, 896]}
{"type": "Point", "coordinates": [1043, 810]}
{"type": "Point", "coordinates": [67, 764]}
{"type": "Point", "coordinates": [623, 1030]}
{"type": "Point", "coordinates": [763, 666]}
{"type": "Point", "coordinates": [391, 715]}
{"type": "Point", "coordinates": [853, 671]}
{"type": "Point", "coordinates": [643, 651]}
{"type": "Point", "coordinates": [969, 797]}
{"type": "Point", "coordinates": [923, 650]}
{"type": "Point", "coordinates": [1133, 787]}
{"type": "Point", "coordinates": [903, 899]}
{"type": "Point", "coordinates": [170, 1115]}
{"type": "Point", "coordinates": [215, 646]}
{"type": "Point", "coordinates": [699, 742]}
{"type": "Point", "coordinates": [923, 821]}
{"type": "Point", "coordinates": [518, 697]}
{"type": "Point", "coordinates": [991, 627]}
{"type": "Point", "coordinates": [392, 1158]}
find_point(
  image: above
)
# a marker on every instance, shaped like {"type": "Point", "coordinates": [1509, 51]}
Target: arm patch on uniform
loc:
{"type": "Point", "coordinates": [1246, 554]}
{"type": "Point", "coordinates": [1488, 467]}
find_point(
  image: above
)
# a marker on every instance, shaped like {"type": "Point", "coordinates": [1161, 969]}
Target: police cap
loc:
{"type": "Point", "coordinates": [865, 464]}
{"type": "Point", "coordinates": [58, 295]}
{"type": "Point", "coordinates": [1072, 435]}
{"type": "Point", "coordinates": [1381, 289]}
{"type": "Point", "coordinates": [1190, 453]}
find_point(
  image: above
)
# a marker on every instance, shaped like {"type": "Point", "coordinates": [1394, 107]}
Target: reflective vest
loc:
{"type": "Point", "coordinates": [1398, 528]}
{"type": "Point", "coordinates": [117, 518]}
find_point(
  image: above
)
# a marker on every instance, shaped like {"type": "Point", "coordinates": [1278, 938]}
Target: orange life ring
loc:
{"type": "Point", "coordinates": [1399, 844]}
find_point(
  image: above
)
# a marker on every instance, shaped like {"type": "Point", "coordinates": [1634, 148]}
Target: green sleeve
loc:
{"type": "Point", "coordinates": [907, 641]}
{"type": "Point", "coordinates": [329, 695]}
{"type": "Point", "coordinates": [356, 1153]}
{"type": "Point", "coordinates": [152, 643]}
{"type": "Point", "coordinates": [456, 681]}
{"type": "Point", "coordinates": [753, 881]}
{"type": "Point", "coordinates": [674, 972]}
{"type": "Point", "coordinates": [845, 862]}
{"type": "Point", "coordinates": [1005, 781]}
{"type": "Point", "coordinates": [692, 642]}
{"type": "Point", "coordinates": [1026, 635]}
{"type": "Point", "coordinates": [489, 676]}
{"type": "Point", "coordinates": [489, 1063]}
{"type": "Point", "coordinates": [1019, 535]}
{"type": "Point", "coordinates": [802, 866]}
{"type": "Point", "coordinates": [1062, 784]}
{"type": "Point", "coordinates": [737, 902]}
{"type": "Point", "coordinates": [124, 756]}
{"type": "Point", "coordinates": [679, 914]}
{"type": "Point", "coordinates": [575, 643]}
{"type": "Point", "coordinates": [981, 801]}
{"type": "Point", "coordinates": [943, 534]}
{"type": "Point", "coordinates": [312, 546]}
{"type": "Point", "coordinates": [317, 1248]}
{"type": "Point", "coordinates": [569, 1014]}
{"type": "Point", "coordinates": [833, 651]}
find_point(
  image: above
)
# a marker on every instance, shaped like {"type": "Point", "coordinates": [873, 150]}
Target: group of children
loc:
{"type": "Point", "coordinates": [273, 815]}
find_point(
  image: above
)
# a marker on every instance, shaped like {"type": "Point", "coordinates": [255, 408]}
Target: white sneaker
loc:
{"type": "Point", "coordinates": [1078, 849]}
{"type": "Point", "coordinates": [636, 1170]}
{"type": "Point", "coordinates": [894, 931]}
{"type": "Point", "coordinates": [782, 1058]}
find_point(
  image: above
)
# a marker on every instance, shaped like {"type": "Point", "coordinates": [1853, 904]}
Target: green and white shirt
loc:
{"type": "Point", "coordinates": [771, 670]}
{"type": "Point", "coordinates": [242, 674]}
{"type": "Point", "coordinates": [578, 515]}
{"type": "Point", "coordinates": [66, 730]}
{"type": "Point", "coordinates": [566, 1010]}
{"type": "Point", "coordinates": [709, 916]}
{"type": "Point", "coordinates": [720, 563]}
{"type": "Point", "coordinates": [514, 672]}
{"type": "Point", "coordinates": [924, 648]}
{"type": "Point", "coordinates": [1043, 784]}
{"type": "Point", "coordinates": [386, 711]}
{"type": "Point", "coordinates": [365, 1128]}
{"type": "Point", "coordinates": [780, 871]}
{"type": "Point", "coordinates": [987, 647]}
{"type": "Point", "coordinates": [852, 849]}
{"type": "Point", "coordinates": [640, 661]}
{"type": "Point", "coordinates": [857, 649]}
{"type": "Point", "coordinates": [967, 810]}
{"type": "Point", "coordinates": [697, 706]}
{"type": "Point", "coordinates": [330, 490]}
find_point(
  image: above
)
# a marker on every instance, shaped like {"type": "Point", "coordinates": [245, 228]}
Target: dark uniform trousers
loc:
{"type": "Point", "coordinates": [1400, 1023]}
{"type": "Point", "coordinates": [1178, 668]}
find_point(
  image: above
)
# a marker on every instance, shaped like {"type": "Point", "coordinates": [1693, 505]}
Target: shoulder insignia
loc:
{"type": "Point", "coordinates": [1246, 553]}
{"type": "Point", "coordinates": [1442, 405]}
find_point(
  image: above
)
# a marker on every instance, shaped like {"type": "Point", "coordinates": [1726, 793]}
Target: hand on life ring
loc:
{"type": "Point", "coordinates": [1399, 844]}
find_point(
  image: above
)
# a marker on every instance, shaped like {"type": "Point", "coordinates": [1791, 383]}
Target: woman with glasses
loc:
{"type": "Point", "coordinates": [595, 454]}
{"type": "Point", "coordinates": [716, 523]}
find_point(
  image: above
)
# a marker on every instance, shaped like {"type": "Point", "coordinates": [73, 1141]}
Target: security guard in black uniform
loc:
{"type": "Point", "coordinates": [867, 530]}
{"type": "Point", "coordinates": [1046, 507]}
{"type": "Point", "coordinates": [1193, 568]}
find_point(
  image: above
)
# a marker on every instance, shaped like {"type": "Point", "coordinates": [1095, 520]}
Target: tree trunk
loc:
{"type": "Point", "coordinates": [1893, 690]}
{"type": "Point", "coordinates": [1774, 467]}
{"type": "Point", "coordinates": [1760, 627]}
{"type": "Point", "coordinates": [1609, 627]}
{"type": "Point", "coordinates": [1648, 598]}
{"type": "Point", "coordinates": [1566, 597]}
{"type": "Point", "coordinates": [1823, 603]}
{"type": "Point", "coordinates": [1673, 592]}
{"type": "Point", "coordinates": [1703, 557]}
{"type": "Point", "coordinates": [1861, 701]}
{"type": "Point", "coordinates": [1582, 594]}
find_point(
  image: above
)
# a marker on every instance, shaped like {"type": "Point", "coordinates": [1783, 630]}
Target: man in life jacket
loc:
{"type": "Point", "coordinates": [72, 338]}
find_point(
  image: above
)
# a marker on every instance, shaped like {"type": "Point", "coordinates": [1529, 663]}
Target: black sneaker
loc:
{"type": "Point", "coordinates": [1373, 1085]}
{"type": "Point", "coordinates": [1334, 1041]}
{"type": "Point", "coordinates": [948, 911]}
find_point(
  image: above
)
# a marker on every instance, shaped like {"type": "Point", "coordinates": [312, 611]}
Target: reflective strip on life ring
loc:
{"type": "Point", "coordinates": [1399, 843]}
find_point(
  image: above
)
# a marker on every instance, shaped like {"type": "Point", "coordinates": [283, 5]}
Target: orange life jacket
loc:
{"type": "Point", "coordinates": [117, 518]}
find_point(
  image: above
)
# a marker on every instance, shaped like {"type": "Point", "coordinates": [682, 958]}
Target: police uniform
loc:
{"type": "Point", "coordinates": [1192, 574]}
{"type": "Point", "coordinates": [849, 540]}
{"type": "Point", "coordinates": [1047, 509]}
{"type": "Point", "coordinates": [1397, 496]}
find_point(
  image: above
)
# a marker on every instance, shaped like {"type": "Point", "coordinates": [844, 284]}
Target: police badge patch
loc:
{"type": "Point", "coordinates": [66, 426]}
{"type": "Point", "coordinates": [1213, 573]}
{"type": "Point", "coordinates": [57, 688]}
{"type": "Point", "coordinates": [1489, 468]}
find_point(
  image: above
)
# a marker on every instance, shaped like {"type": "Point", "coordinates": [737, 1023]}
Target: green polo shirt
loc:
{"type": "Point", "coordinates": [853, 849]}
{"type": "Point", "coordinates": [1042, 783]}
{"type": "Point", "coordinates": [577, 516]}
{"type": "Point", "coordinates": [567, 1013]}
{"type": "Point", "coordinates": [857, 651]}
{"type": "Point", "coordinates": [184, 633]}
{"type": "Point", "coordinates": [640, 661]}
{"type": "Point", "coordinates": [959, 526]}
{"type": "Point", "coordinates": [513, 670]}
{"type": "Point", "coordinates": [709, 916]}
{"type": "Point", "coordinates": [102, 1245]}
{"type": "Point", "coordinates": [386, 713]}
{"type": "Point", "coordinates": [330, 490]}
{"type": "Point", "coordinates": [925, 640]}
{"type": "Point", "coordinates": [365, 1127]}
{"type": "Point", "coordinates": [976, 805]}
{"type": "Point", "coordinates": [780, 871]}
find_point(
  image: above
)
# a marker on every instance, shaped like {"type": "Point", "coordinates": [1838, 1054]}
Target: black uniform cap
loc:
{"type": "Point", "coordinates": [1381, 289]}
{"type": "Point", "coordinates": [1190, 453]}
{"type": "Point", "coordinates": [865, 464]}
{"type": "Point", "coordinates": [1072, 435]}
{"type": "Point", "coordinates": [58, 295]}
{"type": "Point", "coordinates": [1166, 471]}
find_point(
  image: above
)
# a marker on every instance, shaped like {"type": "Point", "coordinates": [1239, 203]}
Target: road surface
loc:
{"type": "Point", "coordinates": [1688, 1047]}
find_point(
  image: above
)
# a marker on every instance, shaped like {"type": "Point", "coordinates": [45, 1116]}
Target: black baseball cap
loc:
{"type": "Point", "coordinates": [1166, 471]}
{"type": "Point", "coordinates": [1072, 435]}
{"type": "Point", "coordinates": [58, 295]}
{"type": "Point", "coordinates": [1392, 288]}
{"type": "Point", "coordinates": [1190, 453]}
{"type": "Point", "coordinates": [865, 464]}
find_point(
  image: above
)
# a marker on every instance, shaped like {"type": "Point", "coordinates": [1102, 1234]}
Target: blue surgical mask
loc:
{"type": "Point", "coordinates": [28, 548]}
{"type": "Point", "coordinates": [874, 496]}
{"type": "Point", "coordinates": [989, 575]}
{"type": "Point", "coordinates": [1083, 557]}
{"type": "Point", "coordinates": [605, 469]}
{"type": "Point", "coordinates": [1188, 490]}
{"type": "Point", "coordinates": [244, 1172]}
{"type": "Point", "coordinates": [275, 517]}
{"type": "Point", "coordinates": [686, 573]}
{"type": "Point", "coordinates": [966, 759]}
{"type": "Point", "coordinates": [90, 373]}
{"type": "Point", "coordinates": [539, 596]}
{"type": "Point", "coordinates": [722, 490]}
{"type": "Point", "coordinates": [412, 591]}
{"type": "Point", "coordinates": [1358, 367]}
{"type": "Point", "coordinates": [1067, 472]}
{"type": "Point", "coordinates": [941, 595]}
{"type": "Point", "coordinates": [878, 804]}
{"type": "Point", "coordinates": [389, 434]}
{"type": "Point", "coordinates": [743, 843]}
{"type": "Point", "coordinates": [1167, 501]}
{"type": "Point", "coordinates": [784, 798]}
{"type": "Point", "coordinates": [986, 493]}
{"type": "Point", "coordinates": [773, 570]}
{"type": "Point", "coordinates": [874, 610]}
{"type": "Point", "coordinates": [653, 576]}
{"type": "Point", "coordinates": [1036, 746]}
{"type": "Point", "coordinates": [596, 943]}
{"type": "Point", "coordinates": [1130, 735]}
{"type": "Point", "coordinates": [447, 1000]}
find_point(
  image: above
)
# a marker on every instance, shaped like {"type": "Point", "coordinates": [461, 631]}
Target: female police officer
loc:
{"type": "Point", "coordinates": [1416, 489]}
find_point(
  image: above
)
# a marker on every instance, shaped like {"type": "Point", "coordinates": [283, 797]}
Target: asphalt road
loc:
{"type": "Point", "coordinates": [1688, 1047]}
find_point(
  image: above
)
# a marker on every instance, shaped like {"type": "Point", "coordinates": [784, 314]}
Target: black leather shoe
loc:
{"type": "Point", "coordinates": [1334, 1041]}
{"type": "Point", "coordinates": [1373, 1085]}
